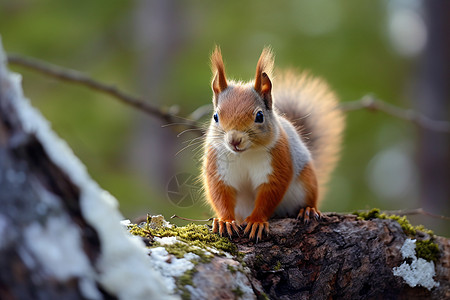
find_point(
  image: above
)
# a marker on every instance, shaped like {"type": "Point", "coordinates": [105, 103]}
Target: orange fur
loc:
{"type": "Point", "coordinates": [270, 194]}
{"type": "Point", "coordinates": [219, 83]}
{"type": "Point", "coordinates": [236, 111]}
{"type": "Point", "coordinates": [309, 181]}
{"type": "Point", "coordinates": [263, 85]}
{"type": "Point", "coordinates": [265, 65]}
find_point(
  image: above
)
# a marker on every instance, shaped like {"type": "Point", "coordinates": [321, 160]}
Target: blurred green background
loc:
{"type": "Point", "coordinates": [159, 50]}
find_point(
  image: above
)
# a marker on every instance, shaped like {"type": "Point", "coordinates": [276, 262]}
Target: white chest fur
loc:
{"type": "Point", "coordinates": [245, 172]}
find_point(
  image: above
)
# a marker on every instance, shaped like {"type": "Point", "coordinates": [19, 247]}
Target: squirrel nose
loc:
{"type": "Point", "coordinates": [235, 143]}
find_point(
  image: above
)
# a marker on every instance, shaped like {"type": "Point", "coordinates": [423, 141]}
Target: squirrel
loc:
{"type": "Point", "coordinates": [269, 150]}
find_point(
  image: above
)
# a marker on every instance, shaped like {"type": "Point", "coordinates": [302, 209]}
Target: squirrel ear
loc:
{"type": "Point", "coordinates": [219, 82]}
{"type": "Point", "coordinates": [265, 90]}
{"type": "Point", "coordinates": [263, 85]}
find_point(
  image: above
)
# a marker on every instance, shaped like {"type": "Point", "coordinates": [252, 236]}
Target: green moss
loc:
{"type": "Point", "coordinates": [198, 235]}
{"type": "Point", "coordinates": [192, 234]}
{"type": "Point", "coordinates": [367, 215]}
{"type": "Point", "coordinates": [180, 249]}
{"type": "Point", "coordinates": [136, 230]}
{"type": "Point", "coordinates": [193, 239]}
{"type": "Point", "coordinates": [425, 230]}
{"type": "Point", "coordinates": [183, 281]}
{"type": "Point", "coordinates": [407, 227]}
{"type": "Point", "coordinates": [186, 278]}
{"type": "Point", "coordinates": [232, 269]}
{"type": "Point", "coordinates": [262, 296]}
{"type": "Point", "coordinates": [259, 261]}
{"type": "Point", "coordinates": [427, 250]}
{"type": "Point", "coordinates": [277, 266]}
{"type": "Point", "coordinates": [237, 292]}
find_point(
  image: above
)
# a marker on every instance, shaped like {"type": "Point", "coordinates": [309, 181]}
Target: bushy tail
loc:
{"type": "Point", "coordinates": [312, 107]}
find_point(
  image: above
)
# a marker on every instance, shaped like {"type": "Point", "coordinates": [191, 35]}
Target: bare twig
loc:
{"type": "Point", "coordinates": [373, 104]}
{"type": "Point", "coordinates": [192, 220]}
{"type": "Point", "coordinates": [367, 102]}
{"type": "Point", "coordinates": [79, 78]}
{"type": "Point", "coordinates": [416, 211]}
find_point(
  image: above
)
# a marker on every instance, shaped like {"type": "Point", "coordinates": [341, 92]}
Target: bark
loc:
{"type": "Point", "coordinates": [27, 174]}
{"type": "Point", "coordinates": [338, 257]}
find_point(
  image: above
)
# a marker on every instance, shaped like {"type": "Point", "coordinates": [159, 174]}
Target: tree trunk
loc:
{"type": "Point", "coordinates": [60, 234]}
{"type": "Point", "coordinates": [433, 100]}
{"type": "Point", "coordinates": [160, 31]}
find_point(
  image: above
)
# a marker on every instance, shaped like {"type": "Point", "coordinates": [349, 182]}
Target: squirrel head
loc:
{"type": "Point", "coordinates": [243, 116]}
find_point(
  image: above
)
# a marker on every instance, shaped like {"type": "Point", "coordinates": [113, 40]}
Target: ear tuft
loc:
{"type": "Point", "coordinates": [219, 82]}
{"type": "Point", "coordinates": [263, 85]}
{"type": "Point", "coordinates": [265, 62]}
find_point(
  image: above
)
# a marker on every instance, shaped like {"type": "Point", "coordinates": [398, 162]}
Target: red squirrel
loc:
{"type": "Point", "coordinates": [269, 149]}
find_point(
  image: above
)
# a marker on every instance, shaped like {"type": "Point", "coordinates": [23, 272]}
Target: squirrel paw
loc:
{"type": "Point", "coordinates": [306, 212]}
{"type": "Point", "coordinates": [219, 226]}
{"type": "Point", "coordinates": [253, 227]}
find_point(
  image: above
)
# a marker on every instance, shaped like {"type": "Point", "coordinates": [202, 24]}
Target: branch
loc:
{"type": "Point", "coordinates": [416, 211]}
{"type": "Point", "coordinates": [338, 257]}
{"type": "Point", "coordinates": [371, 103]}
{"type": "Point", "coordinates": [76, 77]}
{"type": "Point", "coordinates": [72, 76]}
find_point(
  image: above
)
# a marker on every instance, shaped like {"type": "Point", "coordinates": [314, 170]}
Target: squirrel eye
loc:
{"type": "Point", "coordinates": [259, 117]}
{"type": "Point", "coordinates": [216, 117]}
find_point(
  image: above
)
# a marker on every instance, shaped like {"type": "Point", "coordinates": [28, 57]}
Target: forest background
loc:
{"type": "Point", "coordinates": [159, 50]}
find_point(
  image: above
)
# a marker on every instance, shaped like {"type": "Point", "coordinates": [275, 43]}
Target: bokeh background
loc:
{"type": "Point", "coordinates": [398, 51]}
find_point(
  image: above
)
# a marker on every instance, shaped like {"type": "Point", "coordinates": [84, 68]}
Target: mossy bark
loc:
{"type": "Point", "coordinates": [338, 257]}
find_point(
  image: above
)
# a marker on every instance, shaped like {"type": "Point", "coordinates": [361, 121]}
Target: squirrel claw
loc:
{"type": "Point", "coordinates": [306, 212]}
{"type": "Point", "coordinates": [219, 226]}
{"type": "Point", "coordinates": [256, 229]}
